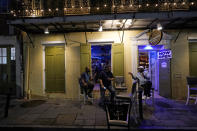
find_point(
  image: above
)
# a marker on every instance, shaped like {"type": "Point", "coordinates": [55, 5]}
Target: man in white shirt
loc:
{"type": "Point", "coordinates": [143, 79]}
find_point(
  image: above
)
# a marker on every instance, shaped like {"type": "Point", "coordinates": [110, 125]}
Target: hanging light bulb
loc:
{"type": "Point", "coordinates": [46, 30]}
{"type": "Point", "coordinates": [159, 27]}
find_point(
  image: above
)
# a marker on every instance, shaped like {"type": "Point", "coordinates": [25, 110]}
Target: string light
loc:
{"type": "Point", "coordinates": [32, 12]}
{"type": "Point", "coordinates": [156, 5]}
{"type": "Point", "coordinates": [73, 6]}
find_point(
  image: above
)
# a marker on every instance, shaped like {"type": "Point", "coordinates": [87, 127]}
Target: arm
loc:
{"type": "Point", "coordinates": [133, 77]}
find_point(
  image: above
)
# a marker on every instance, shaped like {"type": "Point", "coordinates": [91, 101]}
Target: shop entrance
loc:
{"type": "Point", "coordinates": [100, 57]}
{"type": "Point", "coordinates": [159, 70]}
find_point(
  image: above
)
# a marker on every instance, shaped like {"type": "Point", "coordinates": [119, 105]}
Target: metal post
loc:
{"type": "Point", "coordinates": [140, 103]}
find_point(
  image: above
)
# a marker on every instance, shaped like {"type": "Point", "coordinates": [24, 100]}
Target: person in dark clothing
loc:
{"type": "Point", "coordinates": [86, 83]}
{"type": "Point", "coordinates": [105, 79]}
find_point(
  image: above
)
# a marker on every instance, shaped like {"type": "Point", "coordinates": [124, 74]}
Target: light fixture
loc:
{"type": "Point", "coordinates": [159, 27]}
{"type": "Point", "coordinates": [100, 28]}
{"type": "Point", "coordinates": [148, 47]}
{"type": "Point", "coordinates": [46, 30]}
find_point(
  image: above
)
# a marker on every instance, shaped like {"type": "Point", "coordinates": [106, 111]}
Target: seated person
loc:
{"type": "Point", "coordinates": [86, 83]}
{"type": "Point", "coordinates": [143, 79]}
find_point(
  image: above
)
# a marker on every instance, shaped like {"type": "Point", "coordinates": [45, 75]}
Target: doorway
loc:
{"type": "Point", "coordinates": [159, 75]}
{"type": "Point", "coordinates": [100, 57]}
{"type": "Point", "coordinates": [192, 59]}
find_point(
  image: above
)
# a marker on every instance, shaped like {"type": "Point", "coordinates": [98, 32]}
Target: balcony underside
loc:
{"type": "Point", "coordinates": [110, 22]}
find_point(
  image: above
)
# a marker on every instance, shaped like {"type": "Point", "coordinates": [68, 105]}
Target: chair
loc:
{"type": "Point", "coordinates": [192, 88]}
{"type": "Point", "coordinates": [119, 84]}
{"type": "Point", "coordinates": [119, 112]}
{"type": "Point", "coordinates": [85, 97]}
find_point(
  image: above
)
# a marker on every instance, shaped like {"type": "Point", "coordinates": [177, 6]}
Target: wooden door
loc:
{"type": "Point", "coordinates": [85, 57]}
{"type": "Point", "coordinates": [55, 69]}
{"type": "Point", "coordinates": [118, 59]}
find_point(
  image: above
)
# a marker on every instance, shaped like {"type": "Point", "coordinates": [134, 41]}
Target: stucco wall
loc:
{"type": "Point", "coordinates": [34, 68]}
{"type": "Point", "coordinates": [179, 62]}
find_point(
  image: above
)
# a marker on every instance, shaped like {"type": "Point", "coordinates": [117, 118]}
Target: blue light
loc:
{"type": "Point", "coordinates": [148, 47]}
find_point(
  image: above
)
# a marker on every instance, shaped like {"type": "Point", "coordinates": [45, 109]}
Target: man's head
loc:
{"type": "Point", "coordinates": [107, 68]}
{"type": "Point", "coordinates": [140, 68]}
{"type": "Point", "coordinates": [87, 69]}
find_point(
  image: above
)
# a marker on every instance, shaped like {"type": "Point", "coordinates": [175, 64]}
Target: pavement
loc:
{"type": "Point", "coordinates": [74, 114]}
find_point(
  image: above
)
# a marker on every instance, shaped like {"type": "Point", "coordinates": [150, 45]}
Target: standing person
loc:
{"type": "Point", "coordinates": [87, 83]}
{"type": "Point", "coordinates": [105, 79]}
{"type": "Point", "coordinates": [143, 79]}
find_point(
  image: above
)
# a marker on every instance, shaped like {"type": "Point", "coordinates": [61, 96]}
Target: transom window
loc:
{"type": "Point", "coordinates": [13, 54]}
{"type": "Point", "coordinates": [3, 55]}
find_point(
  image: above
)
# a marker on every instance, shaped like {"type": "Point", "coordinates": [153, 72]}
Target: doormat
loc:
{"type": "Point", "coordinates": [32, 103]}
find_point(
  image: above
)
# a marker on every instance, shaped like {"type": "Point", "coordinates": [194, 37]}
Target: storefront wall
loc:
{"type": "Point", "coordinates": [34, 74]}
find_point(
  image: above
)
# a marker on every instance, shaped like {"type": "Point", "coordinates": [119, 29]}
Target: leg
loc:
{"type": "Point", "coordinates": [90, 88]}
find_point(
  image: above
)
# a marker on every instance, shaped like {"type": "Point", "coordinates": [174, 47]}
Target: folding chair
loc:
{"type": "Point", "coordinates": [191, 89]}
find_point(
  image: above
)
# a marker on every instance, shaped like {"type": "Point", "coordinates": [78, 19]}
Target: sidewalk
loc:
{"type": "Point", "coordinates": [62, 113]}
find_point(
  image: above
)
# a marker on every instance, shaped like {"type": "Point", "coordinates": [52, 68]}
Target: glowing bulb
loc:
{"type": "Point", "coordinates": [140, 6]}
{"type": "Point", "coordinates": [165, 4]}
{"type": "Point", "coordinates": [49, 10]}
{"type": "Point", "coordinates": [56, 9]}
{"type": "Point", "coordinates": [183, 3]}
{"type": "Point", "coordinates": [105, 5]}
{"type": "Point", "coordinates": [156, 5]}
{"type": "Point", "coordinates": [97, 8]}
{"type": "Point", "coordinates": [148, 47]}
{"type": "Point", "coordinates": [130, 5]}
{"type": "Point", "coordinates": [159, 27]}
{"type": "Point", "coordinates": [65, 9]}
{"type": "Point", "coordinates": [147, 4]}
{"type": "Point", "coordinates": [174, 4]}
{"type": "Point", "coordinates": [121, 6]}
{"type": "Point", "coordinates": [100, 29]}
{"type": "Point", "coordinates": [46, 31]}
{"type": "Point", "coordinates": [192, 3]}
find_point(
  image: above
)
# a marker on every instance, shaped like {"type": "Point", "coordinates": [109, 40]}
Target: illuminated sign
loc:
{"type": "Point", "coordinates": [165, 54]}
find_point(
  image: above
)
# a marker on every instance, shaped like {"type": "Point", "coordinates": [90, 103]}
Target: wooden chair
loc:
{"type": "Point", "coordinates": [191, 88]}
{"type": "Point", "coordinates": [118, 113]}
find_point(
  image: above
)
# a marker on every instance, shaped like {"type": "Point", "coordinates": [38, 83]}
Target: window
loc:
{"type": "Point", "coordinates": [13, 54]}
{"type": "Point", "coordinates": [3, 55]}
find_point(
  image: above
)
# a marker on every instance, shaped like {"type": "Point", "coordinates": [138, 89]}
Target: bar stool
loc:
{"type": "Point", "coordinates": [192, 88]}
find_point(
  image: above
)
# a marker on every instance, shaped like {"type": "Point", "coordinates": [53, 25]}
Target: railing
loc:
{"type": "Point", "coordinates": [42, 8]}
